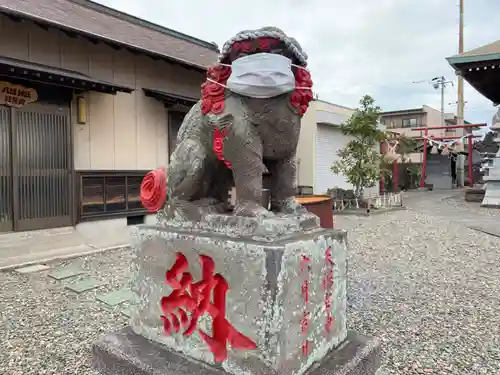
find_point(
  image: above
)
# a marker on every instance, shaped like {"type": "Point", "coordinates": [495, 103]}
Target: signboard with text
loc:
{"type": "Point", "coordinates": [16, 95]}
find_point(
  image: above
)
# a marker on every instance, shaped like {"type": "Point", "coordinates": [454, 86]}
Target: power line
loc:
{"type": "Point", "coordinates": [439, 83]}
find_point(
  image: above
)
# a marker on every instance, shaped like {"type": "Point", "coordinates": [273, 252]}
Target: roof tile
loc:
{"type": "Point", "coordinates": [82, 16]}
{"type": "Point", "coordinates": [488, 49]}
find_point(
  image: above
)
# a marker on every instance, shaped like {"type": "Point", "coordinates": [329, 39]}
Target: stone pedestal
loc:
{"type": "Point", "coordinates": [491, 190]}
{"type": "Point", "coordinates": [239, 295]}
{"type": "Point", "coordinates": [126, 353]}
{"type": "Point", "coordinates": [492, 180]}
{"type": "Point", "coordinates": [492, 183]}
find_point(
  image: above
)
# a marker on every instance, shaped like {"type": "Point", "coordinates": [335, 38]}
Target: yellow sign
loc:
{"type": "Point", "coordinates": [16, 95]}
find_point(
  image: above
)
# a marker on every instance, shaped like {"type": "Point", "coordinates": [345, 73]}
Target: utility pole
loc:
{"type": "Point", "coordinates": [442, 102]}
{"type": "Point", "coordinates": [441, 82]}
{"type": "Point", "coordinates": [460, 92]}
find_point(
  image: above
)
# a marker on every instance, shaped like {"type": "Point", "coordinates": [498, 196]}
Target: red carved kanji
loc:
{"type": "Point", "coordinates": [304, 322]}
{"type": "Point", "coordinates": [327, 286]}
{"type": "Point", "coordinates": [306, 347]}
{"type": "Point", "coordinates": [190, 300]}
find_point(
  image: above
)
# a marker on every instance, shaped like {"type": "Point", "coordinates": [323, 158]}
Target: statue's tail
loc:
{"type": "Point", "coordinates": [154, 190]}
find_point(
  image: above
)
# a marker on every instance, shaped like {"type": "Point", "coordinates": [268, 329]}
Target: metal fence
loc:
{"type": "Point", "coordinates": [387, 200]}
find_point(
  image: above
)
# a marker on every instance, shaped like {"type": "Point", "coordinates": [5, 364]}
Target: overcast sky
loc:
{"type": "Point", "coordinates": [355, 47]}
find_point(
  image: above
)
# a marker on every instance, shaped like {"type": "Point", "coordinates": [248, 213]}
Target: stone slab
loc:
{"type": "Point", "coordinates": [262, 229]}
{"type": "Point", "coordinates": [84, 285]}
{"type": "Point", "coordinates": [127, 312]}
{"type": "Point", "coordinates": [66, 273]}
{"type": "Point", "coordinates": [287, 299]}
{"type": "Point", "coordinates": [115, 298]}
{"type": "Point", "coordinates": [32, 269]}
{"type": "Point", "coordinates": [126, 353]}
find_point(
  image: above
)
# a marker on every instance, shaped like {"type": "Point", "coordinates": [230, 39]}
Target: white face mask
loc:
{"type": "Point", "coordinates": [261, 75]}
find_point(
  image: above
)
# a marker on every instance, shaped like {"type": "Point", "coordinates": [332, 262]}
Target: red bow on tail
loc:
{"type": "Point", "coordinates": [154, 190]}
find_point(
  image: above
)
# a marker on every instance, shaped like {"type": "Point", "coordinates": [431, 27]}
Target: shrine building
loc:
{"type": "Point", "coordinates": [90, 100]}
{"type": "Point", "coordinates": [481, 68]}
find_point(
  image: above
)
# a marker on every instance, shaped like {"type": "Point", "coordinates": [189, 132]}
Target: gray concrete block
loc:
{"type": "Point", "coordinates": [287, 296]}
{"type": "Point", "coordinates": [66, 273]}
{"type": "Point", "coordinates": [127, 312]}
{"type": "Point", "coordinates": [84, 285]}
{"type": "Point", "coordinates": [32, 269]}
{"type": "Point", "coordinates": [116, 297]}
{"type": "Point", "coordinates": [126, 353]}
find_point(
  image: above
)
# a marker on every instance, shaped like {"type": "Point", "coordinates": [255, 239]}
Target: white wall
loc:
{"type": "Point", "coordinates": [307, 141]}
{"type": "Point", "coordinates": [307, 144]}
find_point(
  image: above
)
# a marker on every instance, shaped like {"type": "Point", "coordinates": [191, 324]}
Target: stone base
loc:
{"type": "Point", "coordinates": [126, 353]}
{"type": "Point", "coordinates": [285, 301]}
{"type": "Point", "coordinates": [492, 192]}
{"type": "Point", "coordinates": [474, 195]}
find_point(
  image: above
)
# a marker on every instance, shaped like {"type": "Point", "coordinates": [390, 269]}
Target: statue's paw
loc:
{"type": "Point", "coordinates": [210, 206]}
{"type": "Point", "coordinates": [290, 206]}
{"type": "Point", "coordinates": [181, 211]}
{"type": "Point", "coordinates": [251, 209]}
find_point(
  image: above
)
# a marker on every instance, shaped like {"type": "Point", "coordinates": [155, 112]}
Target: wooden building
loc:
{"type": "Point", "coordinates": [481, 68]}
{"type": "Point", "coordinates": [91, 99]}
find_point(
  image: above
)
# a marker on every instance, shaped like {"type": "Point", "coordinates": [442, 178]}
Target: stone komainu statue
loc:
{"type": "Point", "coordinates": [248, 117]}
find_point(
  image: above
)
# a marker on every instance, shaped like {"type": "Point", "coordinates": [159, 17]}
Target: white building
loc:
{"type": "Point", "coordinates": [319, 144]}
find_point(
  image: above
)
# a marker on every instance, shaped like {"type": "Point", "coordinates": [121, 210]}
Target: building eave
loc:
{"type": "Point", "coordinates": [454, 61]}
{"type": "Point", "coordinates": [398, 112]}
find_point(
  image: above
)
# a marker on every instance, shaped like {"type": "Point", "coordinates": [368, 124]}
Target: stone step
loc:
{"type": "Point", "coordinates": [116, 297]}
{"type": "Point", "coordinates": [66, 272]}
{"type": "Point", "coordinates": [32, 269]}
{"type": "Point", "coordinates": [84, 285]}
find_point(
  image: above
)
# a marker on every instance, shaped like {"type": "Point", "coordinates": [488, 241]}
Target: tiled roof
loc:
{"type": "Point", "coordinates": [106, 24]}
{"type": "Point", "coordinates": [489, 49]}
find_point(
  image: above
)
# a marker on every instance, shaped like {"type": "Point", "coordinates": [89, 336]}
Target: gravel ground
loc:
{"type": "Point", "coordinates": [428, 286]}
{"type": "Point", "coordinates": [47, 329]}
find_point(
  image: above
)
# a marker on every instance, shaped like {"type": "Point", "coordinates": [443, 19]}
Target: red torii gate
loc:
{"type": "Point", "coordinates": [425, 138]}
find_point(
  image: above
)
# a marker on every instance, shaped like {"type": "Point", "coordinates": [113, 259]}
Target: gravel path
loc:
{"type": "Point", "coordinates": [427, 285]}
{"type": "Point", "coordinates": [47, 329]}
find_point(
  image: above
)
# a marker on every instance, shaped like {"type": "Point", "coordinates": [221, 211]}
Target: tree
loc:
{"type": "Point", "coordinates": [360, 159]}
